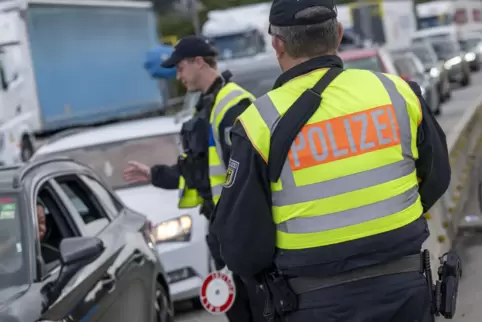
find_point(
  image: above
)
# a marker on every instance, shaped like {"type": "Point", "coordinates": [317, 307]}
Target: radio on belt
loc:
{"type": "Point", "coordinates": [218, 292]}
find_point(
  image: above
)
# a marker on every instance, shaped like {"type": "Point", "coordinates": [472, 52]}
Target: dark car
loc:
{"type": "Point", "coordinates": [454, 60]}
{"type": "Point", "coordinates": [434, 68]}
{"type": "Point", "coordinates": [472, 46]}
{"type": "Point", "coordinates": [71, 251]}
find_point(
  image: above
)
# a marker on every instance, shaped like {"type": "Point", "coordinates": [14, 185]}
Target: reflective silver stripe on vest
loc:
{"type": "Point", "coordinates": [291, 194]}
{"type": "Point", "coordinates": [218, 108]}
{"type": "Point", "coordinates": [216, 190]}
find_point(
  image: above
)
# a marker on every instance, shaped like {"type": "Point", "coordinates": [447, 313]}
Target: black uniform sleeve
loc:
{"type": "Point", "coordinates": [243, 223]}
{"type": "Point", "coordinates": [433, 165]}
{"type": "Point", "coordinates": [165, 176]}
{"type": "Point", "coordinates": [226, 124]}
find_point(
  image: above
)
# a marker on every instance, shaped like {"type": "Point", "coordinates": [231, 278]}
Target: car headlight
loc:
{"type": "Point", "coordinates": [178, 229]}
{"type": "Point", "coordinates": [434, 72]}
{"type": "Point", "coordinates": [470, 56]}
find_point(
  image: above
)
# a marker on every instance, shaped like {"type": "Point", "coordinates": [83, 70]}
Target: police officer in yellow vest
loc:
{"type": "Point", "coordinates": [329, 175]}
{"type": "Point", "coordinates": [201, 171]}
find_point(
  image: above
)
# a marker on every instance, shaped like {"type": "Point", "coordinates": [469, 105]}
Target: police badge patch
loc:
{"type": "Point", "coordinates": [231, 173]}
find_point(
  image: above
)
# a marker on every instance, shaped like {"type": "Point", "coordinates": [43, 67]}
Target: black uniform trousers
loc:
{"type": "Point", "coordinates": [248, 305]}
{"type": "Point", "coordinates": [400, 297]}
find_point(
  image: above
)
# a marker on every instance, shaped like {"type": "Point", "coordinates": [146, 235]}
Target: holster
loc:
{"type": "Point", "coordinates": [194, 164]}
{"type": "Point", "coordinates": [280, 300]}
{"type": "Point", "coordinates": [449, 273]}
{"type": "Point", "coordinates": [444, 292]}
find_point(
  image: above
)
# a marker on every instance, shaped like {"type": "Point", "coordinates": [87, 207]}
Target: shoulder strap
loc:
{"type": "Point", "coordinates": [293, 121]}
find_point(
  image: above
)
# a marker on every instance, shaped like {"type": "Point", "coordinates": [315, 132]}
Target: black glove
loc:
{"type": "Point", "coordinates": [215, 249]}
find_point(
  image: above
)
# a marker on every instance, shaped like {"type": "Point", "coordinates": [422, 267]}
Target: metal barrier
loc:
{"type": "Point", "coordinates": [459, 208]}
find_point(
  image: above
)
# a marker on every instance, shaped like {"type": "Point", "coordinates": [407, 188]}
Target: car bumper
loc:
{"type": "Point", "coordinates": [456, 73]}
{"type": "Point", "coordinates": [186, 263]}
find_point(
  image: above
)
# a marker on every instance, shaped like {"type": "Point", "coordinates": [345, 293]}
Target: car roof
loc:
{"type": "Point", "coordinates": [358, 54]}
{"type": "Point", "coordinates": [111, 133]}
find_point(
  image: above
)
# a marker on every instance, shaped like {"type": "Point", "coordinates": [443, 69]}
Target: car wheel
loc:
{"type": "Point", "coordinates": [437, 105]}
{"type": "Point", "coordinates": [466, 80]}
{"type": "Point", "coordinates": [164, 309]}
{"type": "Point", "coordinates": [27, 150]}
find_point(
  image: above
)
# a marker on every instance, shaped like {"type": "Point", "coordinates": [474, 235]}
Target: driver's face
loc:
{"type": "Point", "coordinates": [42, 227]}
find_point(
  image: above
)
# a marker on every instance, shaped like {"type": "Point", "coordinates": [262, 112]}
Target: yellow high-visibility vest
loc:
{"type": "Point", "coordinates": [350, 173]}
{"type": "Point", "coordinates": [230, 95]}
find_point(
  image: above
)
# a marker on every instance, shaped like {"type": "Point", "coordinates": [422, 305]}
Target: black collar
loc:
{"type": "Point", "coordinates": [308, 66]}
{"type": "Point", "coordinates": [207, 99]}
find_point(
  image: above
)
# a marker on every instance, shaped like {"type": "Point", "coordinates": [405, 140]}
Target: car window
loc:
{"type": "Point", "coordinates": [85, 202]}
{"type": "Point", "coordinates": [14, 258]}
{"type": "Point", "coordinates": [369, 63]}
{"type": "Point", "coordinates": [406, 66]}
{"type": "Point", "coordinates": [105, 196]}
{"type": "Point", "coordinates": [58, 224]}
{"type": "Point", "coordinates": [109, 160]}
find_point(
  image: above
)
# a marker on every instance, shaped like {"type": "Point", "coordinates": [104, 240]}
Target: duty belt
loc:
{"type": "Point", "coordinates": [411, 263]}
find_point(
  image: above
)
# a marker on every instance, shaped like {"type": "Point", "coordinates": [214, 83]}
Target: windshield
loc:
{"type": "Point", "coordinates": [444, 49]}
{"type": "Point", "coordinates": [239, 45]}
{"type": "Point", "coordinates": [13, 250]}
{"type": "Point", "coordinates": [434, 21]}
{"type": "Point", "coordinates": [109, 160]}
{"type": "Point", "coordinates": [406, 66]}
{"type": "Point", "coordinates": [469, 44]}
{"type": "Point", "coordinates": [425, 55]}
{"type": "Point", "coordinates": [369, 63]}
{"type": "Point", "coordinates": [258, 82]}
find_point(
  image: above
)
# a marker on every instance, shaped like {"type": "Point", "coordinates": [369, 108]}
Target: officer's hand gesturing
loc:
{"type": "Point", "coordinates": [137, 172]}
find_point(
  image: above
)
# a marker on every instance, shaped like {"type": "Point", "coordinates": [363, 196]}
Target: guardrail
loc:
{"type": "Point", "coordinates": [459, 208]}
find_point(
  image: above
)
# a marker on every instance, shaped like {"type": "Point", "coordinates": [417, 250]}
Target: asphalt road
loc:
{"type": "Point", "coordinates": [469, 308]}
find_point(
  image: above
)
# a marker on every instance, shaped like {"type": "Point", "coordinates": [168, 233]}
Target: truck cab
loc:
{"type": "Point", "coordinates": [19, 115]}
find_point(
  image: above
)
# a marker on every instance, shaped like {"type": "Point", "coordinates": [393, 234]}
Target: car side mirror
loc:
{"type": "Point", "coordinates": [75, 253]}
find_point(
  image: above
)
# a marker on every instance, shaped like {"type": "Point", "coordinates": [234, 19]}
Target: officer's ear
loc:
{"type": "Point", "coordinates": [278, 46]}
{"type": "Point", "coordinates": [340, 33]}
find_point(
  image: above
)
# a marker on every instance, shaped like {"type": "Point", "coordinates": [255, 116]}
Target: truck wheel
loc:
{"type": "Point", "coordinates": [27, 149]}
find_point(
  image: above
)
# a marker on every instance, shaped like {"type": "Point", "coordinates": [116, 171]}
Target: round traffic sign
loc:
{"type": "Point", "coordinates": [218, 292]}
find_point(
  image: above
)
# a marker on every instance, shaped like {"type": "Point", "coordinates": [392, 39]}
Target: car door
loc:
{"type": "Point", "coordinates": [91, 290]}
{"type": "Point", "coordinates": [127, 287]}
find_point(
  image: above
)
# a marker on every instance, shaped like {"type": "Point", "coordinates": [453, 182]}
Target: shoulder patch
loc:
{"type": "Point", "coordinates": [231, 173]}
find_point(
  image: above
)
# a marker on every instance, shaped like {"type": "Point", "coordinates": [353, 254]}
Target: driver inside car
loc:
{"type": "Point", "coordinates": [49, 253]}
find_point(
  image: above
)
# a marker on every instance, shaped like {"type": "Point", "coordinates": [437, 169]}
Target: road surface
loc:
{"type": "Point", "coordinates": [469, 307]}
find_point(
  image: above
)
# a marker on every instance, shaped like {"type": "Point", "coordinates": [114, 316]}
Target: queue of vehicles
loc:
{"type": "Point", "coordinates": [128, 247]}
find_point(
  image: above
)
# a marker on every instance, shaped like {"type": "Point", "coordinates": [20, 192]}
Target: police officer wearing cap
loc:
{"type": "Point", "coordinates": [200, 172]}
{"type": "Point", "coordinates": [329, 175]}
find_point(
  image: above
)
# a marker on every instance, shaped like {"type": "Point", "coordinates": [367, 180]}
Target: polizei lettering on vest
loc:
{"type": "Point", "coordinates": [344, 137]}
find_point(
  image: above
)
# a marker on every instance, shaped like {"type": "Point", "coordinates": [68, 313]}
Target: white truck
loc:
{"type": "Point", "coordinates": [449, 19]}
{"type": "Point", "coordinates": [386, 23]}
{"type": "Point", "coordinates": [240, 34]}
{"type": "Point", "coordinates": [67, 63]}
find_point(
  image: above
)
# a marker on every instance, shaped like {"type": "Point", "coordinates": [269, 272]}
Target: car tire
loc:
{"type": "Point", "coordinates": [438, 106]}
{"type": "Point", "coordinates": [466, 80]}
{"type": "Point", "coordinates": [163, 306]}
{"type": "Point", "coordinates": [27, 150]}
{"type": "Point", "coordinates": [196, 304]}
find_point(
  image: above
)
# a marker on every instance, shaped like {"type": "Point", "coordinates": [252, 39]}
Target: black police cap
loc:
{"type": "Point", "coordinates": [283, 12]}
{"type": "Point", "coordinates": [189, 47]}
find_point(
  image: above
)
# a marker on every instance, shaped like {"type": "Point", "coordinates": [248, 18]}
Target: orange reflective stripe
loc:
{"type": "Point", "coordinates": [345, 137]}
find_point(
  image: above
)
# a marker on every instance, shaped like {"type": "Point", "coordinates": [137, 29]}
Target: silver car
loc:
{"type": "Point", "coordinates": [409, 67]}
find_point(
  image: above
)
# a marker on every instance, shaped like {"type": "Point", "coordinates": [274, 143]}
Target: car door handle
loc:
{"type": "Point", "coordinates": [108, 283]}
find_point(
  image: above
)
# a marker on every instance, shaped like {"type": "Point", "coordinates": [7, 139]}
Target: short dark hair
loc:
{"type": "Point", "coordinates": [310, 40]}
{"type": "Point", "coordinates": [210, 60]}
